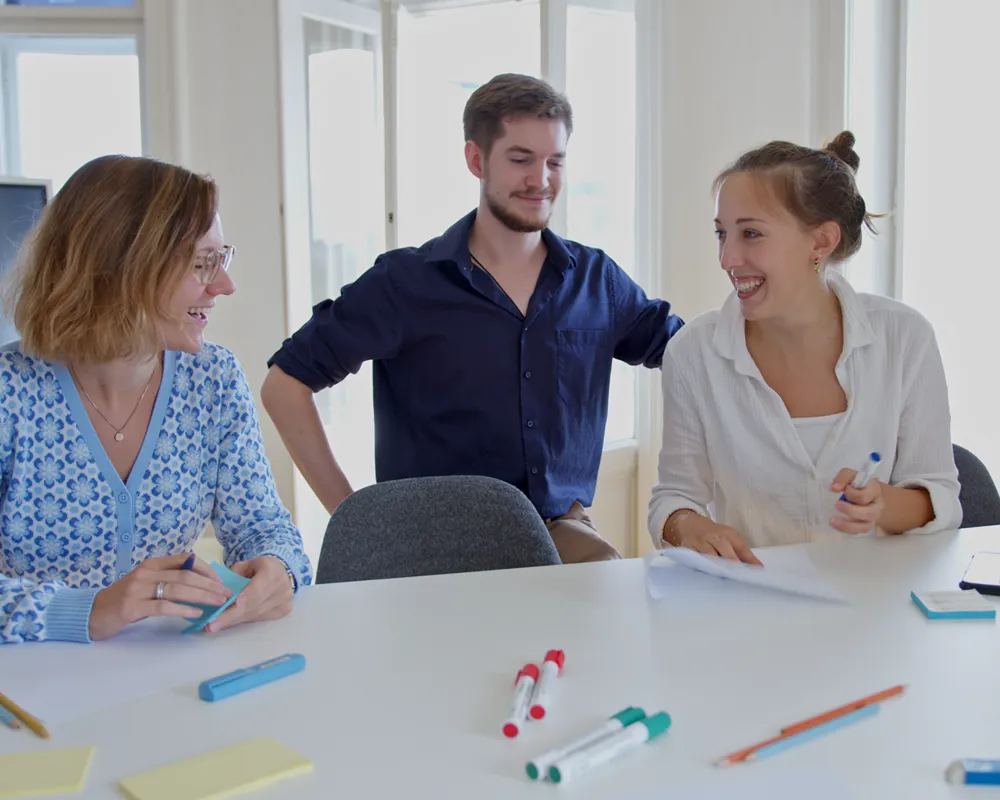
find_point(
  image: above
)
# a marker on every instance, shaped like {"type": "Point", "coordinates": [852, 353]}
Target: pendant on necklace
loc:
{"type": "Point", "coordinates": [119, 437]}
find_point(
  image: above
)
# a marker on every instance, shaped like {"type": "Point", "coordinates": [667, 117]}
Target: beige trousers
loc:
{"type": "Point", "coordinates": [576, 539]}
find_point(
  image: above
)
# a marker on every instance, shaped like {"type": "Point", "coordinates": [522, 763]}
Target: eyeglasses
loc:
{"type": "Point", "coordinates": [207, 267]}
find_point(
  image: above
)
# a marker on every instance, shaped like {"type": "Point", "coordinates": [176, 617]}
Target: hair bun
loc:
{"type": "Point", "coordinates": [843, 148]}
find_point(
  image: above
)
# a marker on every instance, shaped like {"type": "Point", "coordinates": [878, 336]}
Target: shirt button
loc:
{"type": "Point", "coordinates": [123, 498]}
{"type": "Point", "coordinates": [527, 374]}
{"type": "Point", "coordinates": [126, 537]}
{"type": "Point", "coordinates": [531, 423]}
{"type": "Point", "coordinates": [534, 470]}
{"type": "Point", "coordinates": [121, 574]}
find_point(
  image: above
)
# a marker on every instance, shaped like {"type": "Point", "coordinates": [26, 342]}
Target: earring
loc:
{"type": "Point", "coordinates": [816, 264]}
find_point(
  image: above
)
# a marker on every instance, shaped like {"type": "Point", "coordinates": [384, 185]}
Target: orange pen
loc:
{"type": "Point", "coordinates": [812, 722]}
{"type": "Point", "coordinates": [847, 708]}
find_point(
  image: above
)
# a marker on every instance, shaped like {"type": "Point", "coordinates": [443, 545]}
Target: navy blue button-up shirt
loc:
{"type": "Point", "coordinates": [464, 384]}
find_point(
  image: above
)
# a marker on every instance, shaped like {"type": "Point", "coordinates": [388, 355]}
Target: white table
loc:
{"type": "Point", "coordinates": [408, 681]}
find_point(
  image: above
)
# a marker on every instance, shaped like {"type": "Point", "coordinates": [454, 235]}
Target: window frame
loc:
{"type": "Point", "coordinates": [153, 26]}
{"type": "Point", "coordinates": [887, 152]}
{"type": "Point", "coordinates": [13, 45]}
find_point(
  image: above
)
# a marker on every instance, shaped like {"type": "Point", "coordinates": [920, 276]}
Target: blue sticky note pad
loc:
{"type": "Point", "coordinates": [967, 604]}
{"type": "Point", "coordinates": [237, 583]}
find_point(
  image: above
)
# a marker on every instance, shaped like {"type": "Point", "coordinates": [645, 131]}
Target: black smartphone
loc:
{"type": "Point", "coordinates": [982, 574]}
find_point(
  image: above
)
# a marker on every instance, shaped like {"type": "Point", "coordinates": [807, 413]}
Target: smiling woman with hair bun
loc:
{"type": "Point", "coordinates": [775, 401]}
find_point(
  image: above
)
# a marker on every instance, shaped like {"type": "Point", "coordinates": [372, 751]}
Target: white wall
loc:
{"type": "Point", "coordinates": [737, 73]}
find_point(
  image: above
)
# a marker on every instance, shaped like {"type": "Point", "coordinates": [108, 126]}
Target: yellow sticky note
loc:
{"type": "Point", "coordinates": [219, 774]}
{"type": "Point", "coordinates": [44, 772]}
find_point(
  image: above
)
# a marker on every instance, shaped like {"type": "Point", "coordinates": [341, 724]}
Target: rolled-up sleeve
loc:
{"type": "Point", "coordinates": [642, 326]}
{"type": "Point", "coordinates": [363, 324]}
{"type": "Point", "coordinates": [924, 455]}
{"type": "Point", "coordinates": [685, 473]}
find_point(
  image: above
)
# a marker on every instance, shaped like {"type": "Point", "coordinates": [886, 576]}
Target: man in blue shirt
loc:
{"type": "Point", "coordinates": [492, 344]}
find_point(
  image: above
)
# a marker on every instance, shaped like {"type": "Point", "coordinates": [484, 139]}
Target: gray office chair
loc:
{"type": "Point", "coordinates": [978, 495]}
{"type": "Point", "coordinates": [433, 526]}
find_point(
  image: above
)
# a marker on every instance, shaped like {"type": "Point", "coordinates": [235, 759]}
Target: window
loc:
{"type": "Point", "coordinates": [600, 196]}
{"type": "Point", "coordinates": [67, 100]}
{"type": "Point", "coordinates": [443, 57]}
{"type": "Point", "coordinates": [949, 203]}
{"type": "Point", "coordinates": [872, 113]}
{"type": "Point", "coordinates": [346, 194]}
{"type": "Point", "coordinates": [64, 101]}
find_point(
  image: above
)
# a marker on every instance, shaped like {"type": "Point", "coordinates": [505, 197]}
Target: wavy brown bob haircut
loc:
{"type": "Point", "coordinates": [108, 250]}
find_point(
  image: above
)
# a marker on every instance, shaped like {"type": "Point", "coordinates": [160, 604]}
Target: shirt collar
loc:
{"type": "Point", "coordinates": [730, 332]}
{"type": "Point", "coordinates": [453, 246]}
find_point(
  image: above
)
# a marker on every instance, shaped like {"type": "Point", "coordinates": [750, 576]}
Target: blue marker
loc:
{"type": "Point", "coordinates": [865, 474]}
{"type": "Point", "coordinates": [974, 770]}
{"type": "Point", "coordinates": [189, 563]}
{"type": "Point", "coordinates": [250, 678]}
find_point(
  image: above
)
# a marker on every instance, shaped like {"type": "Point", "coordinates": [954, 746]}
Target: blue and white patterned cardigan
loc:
{"type": "Point", "coordinates": [69, 526]}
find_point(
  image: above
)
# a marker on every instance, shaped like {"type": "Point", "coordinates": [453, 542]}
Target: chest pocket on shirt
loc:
{"type": "Point", "coordinates": [583, 367]}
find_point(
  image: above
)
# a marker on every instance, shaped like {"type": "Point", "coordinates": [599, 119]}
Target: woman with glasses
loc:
{"type": "Point", "coordinates": [122, 431]}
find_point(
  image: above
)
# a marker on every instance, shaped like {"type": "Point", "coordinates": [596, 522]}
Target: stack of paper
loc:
{"type": "Point", "coordinates": [802, 578]}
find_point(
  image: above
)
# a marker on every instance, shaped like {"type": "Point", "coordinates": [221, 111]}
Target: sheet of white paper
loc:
{"type": "Point", "coordinates": [749, 784]}
{"type": "Point", "coordinates": [785, 570]}
{"type": "Point", "coordinates": [58, 681]}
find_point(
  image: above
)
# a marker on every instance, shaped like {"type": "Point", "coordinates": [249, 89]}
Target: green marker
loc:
{"type": "Point", "coordinates": [627, 739]}
{"type": "Point", "coordinates": [539, 767]}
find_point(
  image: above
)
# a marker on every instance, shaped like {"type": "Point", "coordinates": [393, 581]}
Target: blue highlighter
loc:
{"type": "Point", "coordinates": [242, 680]}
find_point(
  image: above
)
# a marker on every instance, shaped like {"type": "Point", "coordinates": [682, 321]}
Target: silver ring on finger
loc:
{"type": "Point", "coordinates": [159, 589]}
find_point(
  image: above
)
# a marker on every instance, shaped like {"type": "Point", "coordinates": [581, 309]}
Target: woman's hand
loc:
{"type": "Point", "coordinates": [139, 594]}
{"type": "Point", "coordinates": [269, 594]}
{"type": "Point", "coordinates": [863, 507]}
{"type": "Point", "coordinates": [691, 530]}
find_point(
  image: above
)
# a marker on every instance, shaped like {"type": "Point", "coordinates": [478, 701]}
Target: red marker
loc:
{"type": "Point", "coordinates": [525, 682]}
{"type": "Point", "coordinates": [551, 668]}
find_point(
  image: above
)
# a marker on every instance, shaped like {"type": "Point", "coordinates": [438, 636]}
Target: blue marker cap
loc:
{"type": "Point", "coordinates": [981, 771]}
{"type": "Point", "coordinates": [864, 474]}
{"type": "Point", "coordinates": [189, 562]}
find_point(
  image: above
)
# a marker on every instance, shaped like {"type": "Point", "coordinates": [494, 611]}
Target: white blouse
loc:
{"type": "Point", "coordinates": [731, 451]}
{"type": "Point", "coordinates": [814, 431]}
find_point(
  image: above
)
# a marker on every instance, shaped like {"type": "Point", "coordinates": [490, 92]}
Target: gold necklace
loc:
{"type": "Point", "coordinates": [119, 436]}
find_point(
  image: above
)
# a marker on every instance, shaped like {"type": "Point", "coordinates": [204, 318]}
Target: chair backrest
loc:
{"type": "Point", "coordinates": [433, 526]}
{"type": "Point", "coordinates": [978, 496]}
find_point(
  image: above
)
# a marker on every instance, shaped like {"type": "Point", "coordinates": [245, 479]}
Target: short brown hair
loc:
{"type": "Point", "coordinates": [94, 271]}
{"type": "Point", "coordinates": [816, 186]}
{"type": "Point", "coordinates": [510, 96]}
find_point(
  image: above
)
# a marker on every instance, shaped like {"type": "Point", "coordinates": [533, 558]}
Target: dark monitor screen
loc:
{"type": "Point", "coordinates": [20, 205]}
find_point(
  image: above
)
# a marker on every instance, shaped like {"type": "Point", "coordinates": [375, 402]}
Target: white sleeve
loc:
{"type": "Point", "coordinates": [685, 478]}
{"type": "Point", "coordinates": [924, 456]}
